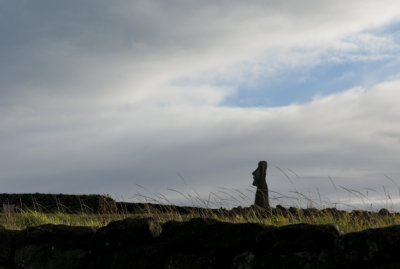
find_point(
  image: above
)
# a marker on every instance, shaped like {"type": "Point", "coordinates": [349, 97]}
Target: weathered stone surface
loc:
{"type": "Point", "coordinates": [262, 199]}
{"type": "Point", "coordinates": [60, 236]}
{"type": "Point", "coordinates": [334, 212]}
{"type": "Point", "coordinates": [245, 260]}
{"type": "Point", "coordinates": [129, 232]}
{"type": "Point", "coordinates": [295, 246]}
{"type": "Point", "coordinates": [195, 261]}
{"type": "Point", "coordinates": [384, 212]}
{"type": "Point", "coordinates": [297, 238]}
{"type": "Point", "coordinates": [52, 246]}
{"type": "Point", "coordinates": [312, 260]}
{"type": "Point", "coordinates": [304, 259]}
{"type": "Point", "coordinates": [44, 256]}
{"type": "Point", "coordinates": [152, 255]}
{"type": "Point", "coordinates": [198, 243]}
{"type": "Point", "coordinates": [369, 247]}
{"type": "Point", "coordinates": [7, 239]}
{"type": "Point", "coordinates": [59, 202]}
{"type": "Point", "coordinates": [206, 236]}
{"type": "Point", "coordinates": [129, 243]}
{"type": "Point", "coordinates": [279, 211]}
{"type": "Point", "coordinates": [208, 233]}
{"type": "Point", "coordinates": [310, 212]}
{"type": "Point", "coordinates": [385, 266]}
{"type": "Point", "coordinates": [294, 212]}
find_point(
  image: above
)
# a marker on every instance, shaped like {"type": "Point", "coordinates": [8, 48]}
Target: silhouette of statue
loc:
{"type": "Point", "coordinates": [259, 175]}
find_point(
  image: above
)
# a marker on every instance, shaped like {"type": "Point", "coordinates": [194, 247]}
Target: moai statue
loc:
{"type": "Point", "coordinates": [262, 200]}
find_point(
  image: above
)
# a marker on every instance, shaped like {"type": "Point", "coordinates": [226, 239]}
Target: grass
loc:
{"type": "Point", "coordinates": [347, 221]}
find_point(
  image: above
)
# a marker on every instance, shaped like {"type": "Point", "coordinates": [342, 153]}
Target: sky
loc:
{"type": "Point", "coordinates": [177, 101]}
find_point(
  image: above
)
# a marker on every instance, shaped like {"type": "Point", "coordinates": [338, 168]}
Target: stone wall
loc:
{"type": "Point", "coordinates": [94, 203]}
{"type": "Point", "coordinates": [198, 243]}
{"type": "Point", "coordinates": [66, 203]}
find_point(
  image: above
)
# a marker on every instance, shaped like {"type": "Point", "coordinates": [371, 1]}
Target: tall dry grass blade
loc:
{"type": "Point", "coordinates": [394, 182]}
{"type": "Point", "coordinates": [291, 171]}
{"type": "Point", "coordinates": [305, 197]}
{"type": "Point", "coordinates": [333, 183]}
{"type": "Point", "coordinates": [286, 175]}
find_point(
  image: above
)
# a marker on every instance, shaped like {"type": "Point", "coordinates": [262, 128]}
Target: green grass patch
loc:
{"type": "Point", "coordinates": [347, 222]}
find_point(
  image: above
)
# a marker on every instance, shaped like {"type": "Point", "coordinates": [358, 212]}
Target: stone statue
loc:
{"type": "Point", "coordinates": [262, 200]}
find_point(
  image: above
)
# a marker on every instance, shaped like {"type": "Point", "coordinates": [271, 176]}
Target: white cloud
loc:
{"type": "Point", "coordinates": [98, 97]}
{"type": "Point", "coordinates": [131, 52]}
{"type": "Point", "coordinates": [349, 136]}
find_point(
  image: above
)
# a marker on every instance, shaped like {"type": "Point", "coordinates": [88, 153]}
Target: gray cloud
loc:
{"type": "Point", "coordinates": [344, 136]}
{"type": "Point", "coordinates": [98, 98]}
{"type": "Point", "coordinates": [82, 50]}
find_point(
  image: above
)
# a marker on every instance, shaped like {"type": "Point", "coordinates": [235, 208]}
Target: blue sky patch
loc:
{"type": "Point", "coordinates": [368, 65]}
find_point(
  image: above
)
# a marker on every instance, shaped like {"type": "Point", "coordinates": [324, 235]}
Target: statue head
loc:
{"type": "Point", "coordinates": [259, 174]}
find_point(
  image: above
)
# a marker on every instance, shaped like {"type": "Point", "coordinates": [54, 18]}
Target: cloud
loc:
{"type": "Point", "coordinates": [133, 52]}
{"type": "Point", "coordinates": [348, 136]}
{"type": "Point", "coordinates": [98, 97]}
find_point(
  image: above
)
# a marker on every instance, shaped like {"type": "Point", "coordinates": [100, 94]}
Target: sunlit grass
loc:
{"type": "Point", "coordinates": [347, 221]}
